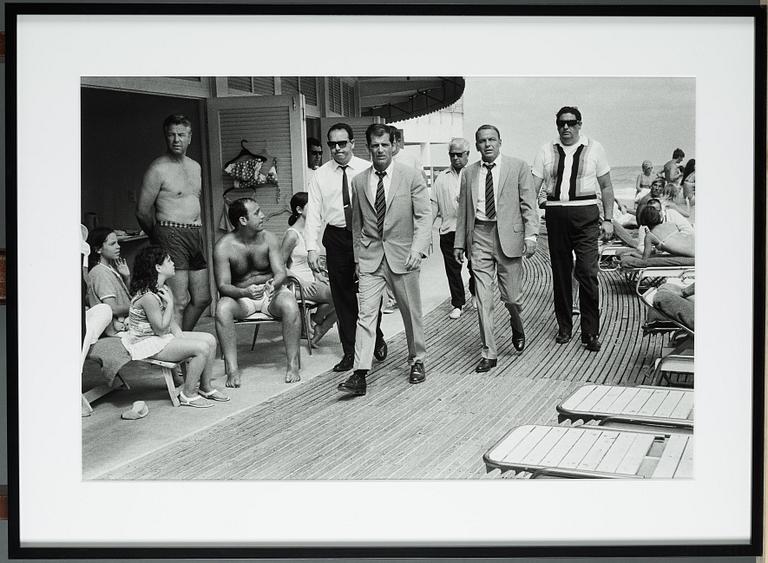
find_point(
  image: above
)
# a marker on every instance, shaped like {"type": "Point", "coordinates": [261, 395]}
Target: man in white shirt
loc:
{"type": "Point", "coordinates": [573, 169]}
{"type": "Point", "coordinates": [496, 225]}
{"type": "Point", "coordinates": [330, 206]}
{"type": "Point", "coordinates": [445, 203]}
{"type": "Point", "coordinates": [314, 158]}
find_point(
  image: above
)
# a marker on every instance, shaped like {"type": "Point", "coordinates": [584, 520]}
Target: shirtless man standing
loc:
{"type": "Point", "coordinates": [169, 212]}
{"type": "Point", "coordinates": [673, 169]}
{"type": "Point", "coordinates": [250, 275]}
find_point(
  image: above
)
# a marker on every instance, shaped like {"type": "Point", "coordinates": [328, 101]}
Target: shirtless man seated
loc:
{"type": "Point", "coordinates": [250, 275]}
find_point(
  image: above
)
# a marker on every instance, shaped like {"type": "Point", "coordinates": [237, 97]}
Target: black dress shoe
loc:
{"type": "Point", "coordinates": [417, 374]}
{"type": "Point", "coordinates": [380, 351]}
{"type": "Point", "coordinates": [346, 363]}
{"type": "Point", "coordinates": [518, 341]}
{"type": "Point", "coordinates": [563, 337]}
{"type": "Point", "coordinates": [592, 342]}
{"type": "Point", "coordinates": [485, 364]}
{"type": "Point", "coordinates": [355, 384]}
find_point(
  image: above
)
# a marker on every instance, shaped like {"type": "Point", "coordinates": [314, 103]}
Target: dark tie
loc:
{"type": "Point", "coordinates": [345, 197]}
{"type": "Point", "coordinates": [381, 203]}
{"type": "Point", "coordinates": [490, 204]}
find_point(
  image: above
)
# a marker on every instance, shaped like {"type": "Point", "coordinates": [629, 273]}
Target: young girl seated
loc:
{"type": "Point", "coordinates": [315, 285]}
{"type": "Point", "coordinates": [665, 236]}
{"type": "Point", "coordinates": [108, 277]}
{"type": "Point", "coordinates": [152, 332]}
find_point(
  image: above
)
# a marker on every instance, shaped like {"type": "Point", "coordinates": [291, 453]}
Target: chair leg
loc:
{"type": "Point", "coordinates": [255, 334]}
{"type": "Point", "coordinates": [168, 376]}
{"type": "Point", "coordinates": [307, 324]}
{"type": "Point", "coordinates": [86, 405]}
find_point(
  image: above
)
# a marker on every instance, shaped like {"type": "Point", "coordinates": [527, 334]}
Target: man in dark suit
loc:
{"type": "Point", "coordinates": [496, 224]}
{"type": "Point", "coordinates": [391, 230]}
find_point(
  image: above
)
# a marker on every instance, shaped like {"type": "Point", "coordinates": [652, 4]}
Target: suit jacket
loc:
{"type": "Point", "coordinates": [407, 223]}
{"type": "Point", "coordinates": [516, 214]}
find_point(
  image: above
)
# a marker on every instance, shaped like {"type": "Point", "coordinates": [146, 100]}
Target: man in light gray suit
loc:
{"type": "Point", "coordinates": [391, 230]}
{"type": "Point", "coordinates": [497, 223]}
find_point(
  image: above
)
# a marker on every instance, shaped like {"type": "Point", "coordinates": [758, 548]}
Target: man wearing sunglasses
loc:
{"type": "Point", "coordinates": [330, 207]}
{"type": "Point", "coordinates": [496, 225]}
{"type": "Point", "coordinates": [568, 173]}
{"type": "Point", "coordinates": [314, 158]}
{"type": "Point", "coordinates": [445, 202]}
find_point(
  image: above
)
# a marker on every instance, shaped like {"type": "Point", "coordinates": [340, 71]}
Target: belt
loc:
{"type": "Point", "coordinates": [179, 225]}
{"type": "Point", "coordinates": [335, 228]}
{"type": "Point", "coordinates": [484, 222]}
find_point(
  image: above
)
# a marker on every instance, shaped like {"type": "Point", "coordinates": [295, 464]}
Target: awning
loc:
{"type": "Point", "coordinates": [396, 98]}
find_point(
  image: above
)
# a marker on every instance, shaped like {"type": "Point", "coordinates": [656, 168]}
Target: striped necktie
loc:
{"type": "Point", "coordinates": [490, 204]}
{"type": "Point", "coordinates": [381, 203]}
{"type": "Point", "coordinates": [345, 197]}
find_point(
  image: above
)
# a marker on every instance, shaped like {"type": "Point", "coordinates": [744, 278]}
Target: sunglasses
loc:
{"type": "Point", "coordinates": [340, 144]}
{"type": "Point", "coordinates": [568, 122]}
{"type": "Point", "coordinates": [457, 154]}
{"type": "Point", "coordinates": [317, 152]}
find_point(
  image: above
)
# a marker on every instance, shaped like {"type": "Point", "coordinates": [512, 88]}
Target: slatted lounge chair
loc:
{"type": "Point", "coordinates": [679, 357]}
{"type": "Point", "coordinates": [593, 452]}
{"type": "Point", "coordinates": [658, 406]}
{"type": "Point", "coordinates": [631, 266]}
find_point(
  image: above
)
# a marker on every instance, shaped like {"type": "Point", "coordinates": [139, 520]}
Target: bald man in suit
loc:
{"type": "Point", "coordinates": [391, 231]}
{"type": "Point", "coordinates": [497, 223]}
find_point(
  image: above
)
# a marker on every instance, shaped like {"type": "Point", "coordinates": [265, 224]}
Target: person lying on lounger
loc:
{"type": "Point", "coordinates": [665, 236]}
{"type": "Point", "coordinates": [152, 332]}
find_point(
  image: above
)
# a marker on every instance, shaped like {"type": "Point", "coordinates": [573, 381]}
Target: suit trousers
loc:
{"type": "Point", "coordinates": [453, 271]}
{"type": "Point", "coordinates": [488, 263]}
{"type": "Point", "coordinates": [575, 230]}
{"type": "Point", "coordinates": [340, 260]}
{"type": "Point", "coordinates": [408, 294]}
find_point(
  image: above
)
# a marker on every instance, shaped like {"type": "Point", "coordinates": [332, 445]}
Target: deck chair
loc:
{"type": "Point", "coordinates": [678, 357]}
{"type": "Point", "coordinates": [305, 309]}
{"type": "Point", "coordinates": [593, 452]}
{"type": "Point", "coordinates": [631, 266]}
{"type": "Point", "coordinates": [97, 319]}
{"type": "Point", "coordinates": [645, 405]}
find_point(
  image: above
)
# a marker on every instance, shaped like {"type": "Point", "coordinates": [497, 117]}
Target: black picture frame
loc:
{"type": "Point", "coordinates": [754, 547]}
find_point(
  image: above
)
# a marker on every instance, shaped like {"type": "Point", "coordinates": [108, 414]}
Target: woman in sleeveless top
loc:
{"type": "Point", "coordinates": [152, 332]}
{"type": "Point", "coordinates": [108, 277]}
{"type": "Point", "coordinates": [645, 178]}
{"type": "Point", "coordinates": [315, 285]}
{"type": "Point", "coordinates": [665, 236]}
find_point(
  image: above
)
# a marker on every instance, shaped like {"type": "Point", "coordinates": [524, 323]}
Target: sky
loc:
{"type": "Point", "coordinates": [634, 118]}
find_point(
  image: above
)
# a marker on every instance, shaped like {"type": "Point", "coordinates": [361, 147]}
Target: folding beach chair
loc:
{"type": "Point", "coordinates": [96, 320]}
{"type": "Point", "coordinates": [593, 452]}
{"type": "Point", "coordinates": [645, 405]}
{"type": "Point", "coordinates": [679, 356]}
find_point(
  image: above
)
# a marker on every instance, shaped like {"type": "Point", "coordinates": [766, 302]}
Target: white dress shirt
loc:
{"type": "Point", "coordinates": [480, 210]}
{"type": "Point", "coordinates": [445, 195]}
{"type": "Point", "coordinates": [373, 183]}
{"type": "Point", "coordinates": [326, 202]}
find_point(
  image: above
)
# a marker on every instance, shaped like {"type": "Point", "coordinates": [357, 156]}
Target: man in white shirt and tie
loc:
{"type": "Point", "coordinates": [330, 206]}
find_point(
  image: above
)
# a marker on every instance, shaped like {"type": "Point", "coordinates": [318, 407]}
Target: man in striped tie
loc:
{"type": "Point", "coordinates": [391, 231]}
{"type": "Point", "coordinates": [496, 225]}
{"type": "Point", "coordinates": [572, 169]}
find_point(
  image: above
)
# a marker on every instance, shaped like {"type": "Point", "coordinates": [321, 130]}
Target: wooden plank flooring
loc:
{"type": "Point", "coordinates": [437, 430]}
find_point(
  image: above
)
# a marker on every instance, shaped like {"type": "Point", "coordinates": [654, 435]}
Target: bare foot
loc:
{"type": "Point", "coordinates": [233, 379]}
{"type": "Point", "coordinates": [292, 376]}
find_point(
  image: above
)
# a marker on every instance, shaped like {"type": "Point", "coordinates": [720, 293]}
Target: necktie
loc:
{"type": "Point", "coordinates": [490, 204]}
{"type": "Point", "coordinates": [345, 197]}
{"type": "Point", "coordinates": [381, 203]}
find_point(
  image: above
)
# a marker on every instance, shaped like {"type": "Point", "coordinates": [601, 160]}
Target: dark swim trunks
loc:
{"type": "Point", "coordinates": [184, 244]}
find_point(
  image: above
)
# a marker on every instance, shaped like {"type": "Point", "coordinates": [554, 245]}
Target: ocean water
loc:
{"type": "Point", "coordinates": [623, 180]}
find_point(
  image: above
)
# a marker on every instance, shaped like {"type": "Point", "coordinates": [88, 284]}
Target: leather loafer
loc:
{"type": "Point", "coordinates": [354, 385]}
{"type": "Point", "coordinates": [345, 364]}
{"type": "Point", "coordinates": [593, 343]}
{"type": "Point", "coordinates": [418, 374]}
{"type": "Point", "coordinates": [518, 341]}
{"type": "Point", "coordinates": [485, 365]}
{"type": "Point", "coordinates": [563, 337]}
{"type": "Point", "coordinates": [380, 351]}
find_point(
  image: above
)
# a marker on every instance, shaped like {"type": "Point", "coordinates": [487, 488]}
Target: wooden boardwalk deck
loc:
{"type": "Point", "coordinates": [436, 430]}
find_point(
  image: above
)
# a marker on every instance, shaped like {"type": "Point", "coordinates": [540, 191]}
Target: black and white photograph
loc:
{"type": "Point", "coordinates": [533, 322]}
{"type": "Point", "coordinates": [400, 280]}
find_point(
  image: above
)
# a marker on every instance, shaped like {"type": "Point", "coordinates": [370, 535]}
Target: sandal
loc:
{"type": "Point", "coordinates": [197, 401]}
{"type": "Point", "coordinates": [214, 395]}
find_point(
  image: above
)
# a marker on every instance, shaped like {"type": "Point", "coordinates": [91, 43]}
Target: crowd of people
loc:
{"type": "Point", "coordinates": [361, 231]}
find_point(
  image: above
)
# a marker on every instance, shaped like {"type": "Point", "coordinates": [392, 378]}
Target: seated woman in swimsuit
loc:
{"type": "Point", "coordinates": [152, 332]}
{"type": "Point", "coordinates": [645, 178]}
{"type": "Point", "coordinates": [315, 286]}
{"type": "Point", "coordinates": [108, 277]}
{"type": "Point", "coordinates": [665, 236]}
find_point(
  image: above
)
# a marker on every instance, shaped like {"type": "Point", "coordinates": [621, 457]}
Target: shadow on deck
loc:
{"type": "Point", "coordinates": [437, 430]}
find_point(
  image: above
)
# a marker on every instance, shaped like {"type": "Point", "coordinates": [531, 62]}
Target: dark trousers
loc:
{"type": "Point", "coordinates": [340, 260]}
{"type": "Point", "coordinates": [575, 230]}
{"type": "Point", "coordinates": [453, 271]}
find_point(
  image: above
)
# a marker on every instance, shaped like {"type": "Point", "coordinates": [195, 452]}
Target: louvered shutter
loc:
{"type": "Point", "coordinates": [308, 87]}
